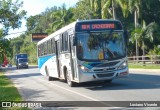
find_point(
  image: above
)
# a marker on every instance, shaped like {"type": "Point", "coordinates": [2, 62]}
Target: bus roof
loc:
{"type": "Point", "coordinates": [74, 25]}
{"type": "Point", "coordinates": [57, 32]}
{"type": "Point", "coordinates": [97, 20]}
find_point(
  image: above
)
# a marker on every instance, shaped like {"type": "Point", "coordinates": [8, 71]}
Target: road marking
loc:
{"type": "Point", "coordinates": [71, 91]}
{"type": "Point", "coordinates": [93, 99]}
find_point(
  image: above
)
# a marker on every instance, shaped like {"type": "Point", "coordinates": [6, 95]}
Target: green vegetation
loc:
{"type": "Point", "coordinates": [10, 17]}
{"type": "Point", "coordinates": [8, 92]}
{"type": "Point", "coordinates": [142, 66]}
{"type": "Point", "coordinates": [139, 17]}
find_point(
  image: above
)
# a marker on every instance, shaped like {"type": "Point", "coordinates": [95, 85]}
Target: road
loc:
{"type": "Point", "coordinates": [140, 86]}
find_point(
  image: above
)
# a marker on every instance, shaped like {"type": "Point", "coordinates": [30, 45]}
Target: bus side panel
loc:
{"type": "Point", "coordinates": [52, 67]}
{"type": "Point", "coordinates": [48, 66]}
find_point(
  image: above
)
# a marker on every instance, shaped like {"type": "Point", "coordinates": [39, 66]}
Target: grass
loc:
{"type": "Point", "coordinates": [142, 66]}
{"type": "Point", "coordinates": [8, 92]}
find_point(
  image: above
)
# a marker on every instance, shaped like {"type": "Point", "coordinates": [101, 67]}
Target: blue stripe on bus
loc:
{"type": "Point", "coordinates": [90, 65]}
{"type": "Point", "coordinates": [42, 60]}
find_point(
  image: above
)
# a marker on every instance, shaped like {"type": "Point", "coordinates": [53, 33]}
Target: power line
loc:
{"type": "Point", "coordinates": [15, 33]}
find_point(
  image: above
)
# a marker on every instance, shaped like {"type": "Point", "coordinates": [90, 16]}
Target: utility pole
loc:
{"type": "Point", "coordinates": [137, 51]}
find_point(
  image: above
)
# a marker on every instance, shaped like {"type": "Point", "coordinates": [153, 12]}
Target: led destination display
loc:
{"type": "Point", "coordinates": [93, 26]}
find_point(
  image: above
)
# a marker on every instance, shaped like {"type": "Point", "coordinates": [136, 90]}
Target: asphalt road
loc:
{"type": "Point", "coordinates": [141, 85]}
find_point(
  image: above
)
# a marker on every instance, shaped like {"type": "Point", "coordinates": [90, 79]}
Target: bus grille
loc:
{"type": "Point", "coordinates": [105, 75]}
{"type": "Point", "coordinates": [104, 70]}
{"type": "Point", "coordinates": [108, 64]}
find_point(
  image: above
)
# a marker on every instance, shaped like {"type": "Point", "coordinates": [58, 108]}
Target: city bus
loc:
{"type": "Point", "coordinates": [84, 51]}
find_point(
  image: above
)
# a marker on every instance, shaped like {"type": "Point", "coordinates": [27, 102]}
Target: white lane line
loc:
{"type": "Point", "coordinates": [93, 99]}
{"type": "Point", "coordinates": [71, 91]}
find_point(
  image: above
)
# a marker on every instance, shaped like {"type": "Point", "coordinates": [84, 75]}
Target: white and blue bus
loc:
{"type": "Point", "coordinates": [83, 51]}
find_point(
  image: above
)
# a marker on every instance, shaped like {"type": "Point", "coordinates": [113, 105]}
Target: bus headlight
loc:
{"type": "Point", "coordinates": [123, 65]}
{"type": "Point", "coordinates": [84, 69]}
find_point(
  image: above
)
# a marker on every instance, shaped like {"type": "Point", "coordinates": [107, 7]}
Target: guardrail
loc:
{"type": "Point", "coordinates": [154, 59]}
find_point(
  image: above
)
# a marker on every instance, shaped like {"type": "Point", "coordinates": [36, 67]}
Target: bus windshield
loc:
{"type": "Point", "coordinates": [100, 45]}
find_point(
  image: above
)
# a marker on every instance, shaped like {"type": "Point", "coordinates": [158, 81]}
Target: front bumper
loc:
{"type": "Point", "coordinates": [100, 76]}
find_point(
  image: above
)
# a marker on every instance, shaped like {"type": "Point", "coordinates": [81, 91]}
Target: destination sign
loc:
{"type": "Point", "coordinates": [98, 25]}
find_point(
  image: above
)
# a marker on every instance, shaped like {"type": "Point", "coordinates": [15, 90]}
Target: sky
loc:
{"type": "Point", "coordinates": [34, 7]}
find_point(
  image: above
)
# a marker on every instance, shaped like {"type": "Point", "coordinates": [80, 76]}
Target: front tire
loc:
{"type": "Point", "coordinates": [68, 78]}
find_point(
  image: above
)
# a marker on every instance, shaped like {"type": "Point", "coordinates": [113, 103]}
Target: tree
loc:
{"type": "Point", "coordinates": [150, 11]}
{"type": "Point", "coordinates": [61, 17]}
{"type": "Point", "coordinates": [124, 6]}
{"type": "Point", "coordinates": [10, 14]}
{"type": "Point", "coordinates": [10, 17]}
{"type": "Point", "coordinates": [5, 49]}
{"type": "Point", "coordinates": [84, 10]}
{"type": "Point", "coordinates": [109, 8]}
{"type": "Point", "coordinates": [134, 6]}
{"type": "Point", "coordinates": [32, 24]}
{"type": "Point", "coordinates": [143, 33]}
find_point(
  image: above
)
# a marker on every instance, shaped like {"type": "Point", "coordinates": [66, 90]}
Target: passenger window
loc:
{"type": "Point", "coordinates": [52, 46]}
{"type": "Point", "coordinates": [64, 42]}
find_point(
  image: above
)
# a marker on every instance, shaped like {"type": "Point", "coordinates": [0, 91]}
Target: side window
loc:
{"type": "Point", "coordinates": [71, 44]}
{"type": "Point", "coordinates": [45, 48]}
{"type": "Point", "coordinates": [39, 50]}
{"type": "Point", "coordinates": [52, 46]}
{"type": "Point", "coordinates": [61, 43]}
{"type": "Point", "coordinates": [42, 49]}
{"type": "Point", "coordinates": [49, 46]}
{"type": "Point", "coordinates": [64, 42]}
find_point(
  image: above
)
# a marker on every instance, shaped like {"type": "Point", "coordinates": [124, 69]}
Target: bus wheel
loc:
{"type": "Point", "coordinates": [50, 78]}
{"type": "Point", "coordinates": [68, 78]}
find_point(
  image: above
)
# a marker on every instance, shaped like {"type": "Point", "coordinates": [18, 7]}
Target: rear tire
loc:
{"type": "Point", "coordinates": [68, 79]}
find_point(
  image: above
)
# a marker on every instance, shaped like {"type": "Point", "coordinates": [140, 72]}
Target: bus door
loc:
{"type": "Point", "coordinates": [57, 44]}
{"type": "Point", "coordinates": [73, 57]}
